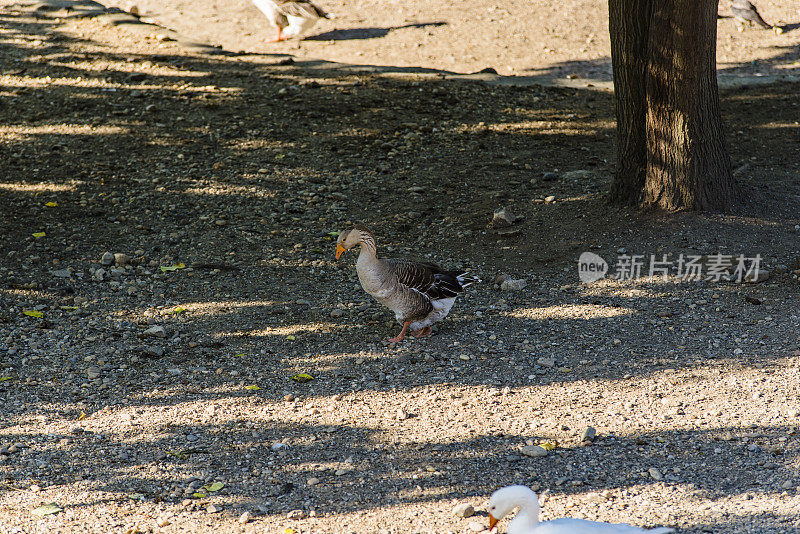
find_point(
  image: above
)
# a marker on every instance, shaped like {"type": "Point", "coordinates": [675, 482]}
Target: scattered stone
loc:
{"type": "Point", "coordinates": [337, 312]}
{"type": "Point", "coordinates": [99, 275]}
{"type": "Point", "coordinates": [534, 451]}
{"type": "Point", "coordinates": [313, 481]}
{"type": "Point", "coordinates": [655, 473]}
{"type": "Point", "coordinates": [549, 176]}
{"type": "Point", "coordinates": [155, 331]}
{"type": "Point", "coordinates": [296, 514]}
{"type": "Point", "coordinates": [502, 218]}
{"type": "Point", "coordinates": [589, 434]}
{"type": "Point", "coordinates": [62, 273]}
{"type": "Point", "coordinates": [245, 518]}
{"type": "Point", "coordinates": [513, 285]}
{"type": "Point", "coordinates": [121, 259]}
{"type": "Point", "coordinates": [546, 362]}
{"type": "Point", "coordinates": [500, 278]}
{"type": "Point", "coordinates": [402, 415]}
{"type": "Point", "coordinates": [416, 189]}
{"type": "Point", "coordinates": [549, 199]}
{"type": "Point", "coordinates": [152, 351]}
{"type": "Point", "coordinates": [93, 372]}
{"type": "Point", "coordinates": [163, 521]}
{"type": "Point", "coordinates": [762, 275]}
{"type": "Point", "coordinates": [340, 472]}
{"type": "Point", "coordinates": [463, 510]}
{"type": "Point", "coordinates": [474, 526]}
{"type": "Point", "coordinates": [213, 509]}
{"type": "Point", "coordinates": [107, 258]}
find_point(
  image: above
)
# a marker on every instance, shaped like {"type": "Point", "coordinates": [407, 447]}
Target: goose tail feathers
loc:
{"type": "Point", "coordinates": [465, 280]}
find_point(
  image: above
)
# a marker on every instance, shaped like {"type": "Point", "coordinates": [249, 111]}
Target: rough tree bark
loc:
{"type": "Point", "coordinates": [671, 149]}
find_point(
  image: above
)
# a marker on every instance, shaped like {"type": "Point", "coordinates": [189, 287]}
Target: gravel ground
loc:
{"type": "Point", "coordinates": [548, 40]}
{"type": "Point", "coordinates": [150, 397]}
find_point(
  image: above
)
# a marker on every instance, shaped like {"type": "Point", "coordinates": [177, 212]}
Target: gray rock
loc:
{"type": "Point", "coordinates": [502, 217]}
{"type": "Point", "coordinates": [107, 258]}
{"type": "Point", "coordinates": [761, 276]}
{"type": "Point", "coordinates": [589, 434]}
{"type": "Point", "coordinates": [153, 351]}
{"type": "Point", "coordinates": [93, 372]}
{"type": "Point", "coordinates": [513, 285]}
{"type": "Point", "coordinates": [296, 514]}
{"type": "Point", "coordinates": [155, 331]}
{"type": "Point", "coordinates": [534, 451]}
{"type": "Point", "coordinates": [213, 509]}
{"type": "Point", "coordinates": [546, 362]}
{"type": "Point", "coordinates": [337, 312]}
{"type": "Point", "coordinates": [62, 273]}
{"type": "Point", "coordinates": [244, 518]}
{"type": "Point", "coordinates": [100, 275]}
{"type": "Point", "coordinates": [463, 510]}
{"type": "Point", "coordinates": [655, 473]}
{"type": "Point", "coordinates": [549, 199]}
{"type": "Point", "coordinates": [313, 481]}
{"type": "Point", "coordinates": [549, 176]}
{"type": "Point", "coordinates": [500, 278]}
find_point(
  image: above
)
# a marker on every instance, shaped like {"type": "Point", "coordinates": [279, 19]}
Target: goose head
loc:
{"type": "Point", "coordinates": [358, 235]}
{"type": "Point", "coordinates": [505, 500]}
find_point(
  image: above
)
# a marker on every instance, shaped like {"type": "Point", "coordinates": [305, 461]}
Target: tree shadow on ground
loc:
{"type": "Point", "coordinates": [249, 167]}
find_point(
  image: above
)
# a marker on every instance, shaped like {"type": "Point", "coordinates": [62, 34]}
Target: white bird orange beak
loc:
{"type": "Point", "coordinates": [492, 521]}
{"type": "Point", "coordinates": [339, 250]}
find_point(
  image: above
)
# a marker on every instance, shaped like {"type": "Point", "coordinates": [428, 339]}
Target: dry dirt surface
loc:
{"type": "Point", "coordinates": [550, 40]}
{"type": "Point", "coordinates": [160, 390]}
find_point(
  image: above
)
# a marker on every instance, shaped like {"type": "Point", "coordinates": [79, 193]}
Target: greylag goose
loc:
{"type": "Point", "coordinates": [504, 500]}
{"type": "Point", "coordinates": [418, 293]}
{"type": "Point", "coordinates": [744, 11]}
{"type": "Point", "coordinates": [292, 17]}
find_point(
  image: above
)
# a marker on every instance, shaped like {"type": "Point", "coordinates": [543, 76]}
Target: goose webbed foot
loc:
{"type": "Point", "coordinates": [422, 332]}
{"type": "Point", "coordinates": [402, 335]}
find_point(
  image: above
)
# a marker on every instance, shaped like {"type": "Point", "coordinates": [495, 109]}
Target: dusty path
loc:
{"type": "Point", "coordinates": [550, 39]}
{"type": "Point", "coordinates": [147, 397]}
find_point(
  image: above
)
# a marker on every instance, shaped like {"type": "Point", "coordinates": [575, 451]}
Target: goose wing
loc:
{"type": "Point", "coordinates": [426, 278]}
{"type": "Point", "coordinates": [300, 8]}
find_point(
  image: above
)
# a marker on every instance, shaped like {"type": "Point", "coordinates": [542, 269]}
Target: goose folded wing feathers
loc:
{"type": "Point", "coordinates": [305, 10]}
{"type": "Point", "coordinates": [426, 278]}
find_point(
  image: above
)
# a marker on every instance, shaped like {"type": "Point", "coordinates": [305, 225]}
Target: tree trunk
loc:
{"type": "Point", "coordinates": [628, 25]}
{"type": "Point", "coordinates": [671, 149]}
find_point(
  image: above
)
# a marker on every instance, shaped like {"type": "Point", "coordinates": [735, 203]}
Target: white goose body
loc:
{"type": "Point", "coordinates": [505, 500]}
{"type": "Point", "coordinates": [420, 294]}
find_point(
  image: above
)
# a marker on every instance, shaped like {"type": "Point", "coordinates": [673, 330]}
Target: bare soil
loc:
{"type": "Point", "coordinates": [123, 138]}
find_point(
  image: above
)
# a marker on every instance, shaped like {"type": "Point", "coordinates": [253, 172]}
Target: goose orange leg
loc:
{"type": "Point", "coordinates": [402, 335]}
{"type": "Point", "coordinates": [279, 37]}
{"type": "Point", "coordinates": [422, 332]}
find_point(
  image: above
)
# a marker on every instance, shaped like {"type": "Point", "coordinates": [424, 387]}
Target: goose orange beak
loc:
{"type": "Point", "coordinates": [492, 521]}
{"type": "Point", "coordinates": [339, 250]}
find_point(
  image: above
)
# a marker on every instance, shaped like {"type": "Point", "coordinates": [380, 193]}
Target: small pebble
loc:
{"type": "Point", "coordinates": [655, 473]}
{"type": "Point", "coordinates": [244, 518]}
{"type": "Point", "coordinates": [463, 510]}
{"type": "Point", "coordinates": [474, 526]}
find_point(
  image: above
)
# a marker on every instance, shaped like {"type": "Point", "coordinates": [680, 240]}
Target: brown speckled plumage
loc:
{"type": "Point", "coordinates": [419, 293]}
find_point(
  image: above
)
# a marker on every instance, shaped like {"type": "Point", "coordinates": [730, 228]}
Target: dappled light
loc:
{"type": "Point", "coordinates": [173, 319]}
